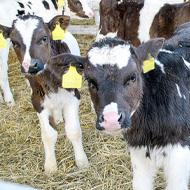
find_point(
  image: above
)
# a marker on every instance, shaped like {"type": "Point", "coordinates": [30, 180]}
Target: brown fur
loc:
{"type": "Point", "coordinates": [124, 18]}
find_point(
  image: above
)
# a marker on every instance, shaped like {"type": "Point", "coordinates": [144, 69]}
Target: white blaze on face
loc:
{"type": "Point", "coordinates": [87, 9]}
{"type": "Point", "coordinates": [112, 107]}
{"type": "Point", "coordinates": [118, 55]}
{"type": "Point", "coordinates": [147, 14]}
{"type": "Point", "coordinates": [26, 29]}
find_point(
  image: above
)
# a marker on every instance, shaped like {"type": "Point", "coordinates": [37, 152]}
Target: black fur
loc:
{"type": "Point", "coordinates": [46, 4]}
{"type": "Point", "coordinates": [163, 116]}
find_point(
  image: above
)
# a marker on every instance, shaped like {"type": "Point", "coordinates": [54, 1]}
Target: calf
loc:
{"type": "Point", "coordinates": [47, 9]}
{"type": "Point", "coordinates": [33, 45]}
{"type": "Point", "coordinates": [151, 109]}
{"type": "Point", "coordinates": [140, 20]}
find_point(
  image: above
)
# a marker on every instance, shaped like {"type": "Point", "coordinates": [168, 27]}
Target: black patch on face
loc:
{"type": "Point", "coordinates": [46, 5]}
{"type": "Point", "coordinates": [21, 5]}
{"type": "Point", "coordinates": [20, 13]}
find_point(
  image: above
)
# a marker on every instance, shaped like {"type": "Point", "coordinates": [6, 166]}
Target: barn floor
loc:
{"type": "Point", "coordinates": [22, 153]}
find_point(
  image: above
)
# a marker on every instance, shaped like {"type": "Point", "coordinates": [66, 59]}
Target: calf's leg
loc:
{"type": "Point", "coordinates": [143, 170]}
{"type": "Point", "coordinates": [73, 130]}
{"type": "Point", "coordinates": [177, 168]}
{"type": "Point", "coordinates": [49, 138]}
{"type": "Point", "coordinates": [8, 97]}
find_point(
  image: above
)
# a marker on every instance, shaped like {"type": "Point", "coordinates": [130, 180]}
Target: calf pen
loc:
{"type": "Point", "coordinates": [21, 156]}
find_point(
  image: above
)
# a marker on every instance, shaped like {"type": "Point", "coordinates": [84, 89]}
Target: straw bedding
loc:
{"type": "Point", "coordinates": [22, 153]}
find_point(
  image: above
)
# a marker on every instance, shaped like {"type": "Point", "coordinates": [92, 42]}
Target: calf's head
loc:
{"type": "Point", "coordinates": [81, 8]}
{"type": "Point", "coordinates": [113, 72]}
{"type": "Point", "coordinates": [30, 37]}
{"type": "Point", "coordinates": [113, 69]}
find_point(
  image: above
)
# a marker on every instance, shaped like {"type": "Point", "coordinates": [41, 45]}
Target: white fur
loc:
{"type": "Point", "coordinates": [12, 186]}
{"type": "Point", "coordinates": [109, 56]}
{"type": "Point", "coordinates": [72, 43]}
{"type": "Point", "coordinates": [4, 84]}
{"type": "Point", "coordinates": [112, 107]}
{"type": "Point", "coordinates": [120, 1]}
{"type": "Point", "coordinates": [175, 163]}
{"type": "Point", "coordinates": [160, 65]}
{"type": "Point", "coordinates": [95, 6]}
{"type": "Point", "coordinates": [108, 35]}
{"type": "Point", "coordinates": [166, 51]}
{"type": "Point", "coordinates": [186, 63]}
{"type": "Point", "coordinates": [178, 90]}
{"type": "Point", "coordinates": [69, 105]}
{"type": "Point", "coordinates": [147, 14]}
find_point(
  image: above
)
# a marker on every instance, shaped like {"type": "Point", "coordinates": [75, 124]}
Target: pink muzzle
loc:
{"type": "Point", "coordinates": [26, 65]}
{"type": "Point", "coordinates": [111, 122]}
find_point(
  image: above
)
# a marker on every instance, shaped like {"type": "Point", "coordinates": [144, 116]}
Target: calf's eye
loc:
{"type": "Point", "coordinates": [133, 77]}
{"type": "Point", "coordinates": [76, 2]}
{"type": "Point", "coordinates": [45, 38]}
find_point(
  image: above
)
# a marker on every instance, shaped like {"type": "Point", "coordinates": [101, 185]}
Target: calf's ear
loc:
{"type": "Point", "coordinates": [151, 47]}
{"type": "Point", "coordinates": [59, 64]}
{"type": "Point", "coordinates": [6, 31]}
{"type": "Point", "coordinates": [62, 19]}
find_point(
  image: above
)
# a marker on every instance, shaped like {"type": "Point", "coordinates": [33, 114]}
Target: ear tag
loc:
{"type": "Point", "coordinates": [3, 41]}
{"type": "Point", "coordinates": [148, 64]}
{"type": "Point", "coordinates": [72, 79]}
{"type": "Point", "coordinates": [60, 3]}
{"type": "Point", "coordinates": [58, 33]}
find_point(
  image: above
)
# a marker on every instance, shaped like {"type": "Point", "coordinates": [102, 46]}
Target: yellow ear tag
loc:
{"type": "Point", "coordinates": [58, 33]}
{"type": "Point", "coordinates": [72, 79]}
{"type": "Point", "coordinates": [3, 41]}
{"type": "Point", "coordinates": [60, 3]}
{"type": "Point", "coordinates": [148, 64]}
{"type": "Point", "coordinates": [186, 0]}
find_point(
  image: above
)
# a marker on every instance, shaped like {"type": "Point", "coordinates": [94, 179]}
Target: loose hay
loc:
{"type": "Point", "coordinates": [22, 153]}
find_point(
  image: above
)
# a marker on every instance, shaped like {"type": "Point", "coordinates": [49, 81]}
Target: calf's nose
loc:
{"type": "Point", "coordinates": [113, 121]}
{"type": "Point", "coordinates": [36, 65]}
{"type": "Point", "coordinates": [91, 14]}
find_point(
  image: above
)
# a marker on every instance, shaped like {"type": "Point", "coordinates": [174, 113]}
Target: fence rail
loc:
{"type": "Point", "coordinates": [83, 29]}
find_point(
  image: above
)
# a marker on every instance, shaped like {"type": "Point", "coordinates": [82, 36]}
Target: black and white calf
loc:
{"type": "Point", "coordinates": [33, 45]}
{"type": "Point", "coordinates": [151, 109]}
{"type": "Point", "coordinates": [47, 9]}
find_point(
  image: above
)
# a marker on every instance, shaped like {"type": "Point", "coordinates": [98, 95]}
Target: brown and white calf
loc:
{"type": "Point", "coordinates": [33, 45]}
{"type": "Point", "coordinates": [140, 20]}
{"type": "Point", "coordinates": [151, 109]}
{"type": "Point", "coordinates": [47, 9]}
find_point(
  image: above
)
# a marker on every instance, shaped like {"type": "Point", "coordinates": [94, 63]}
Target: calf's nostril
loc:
{"type": "Point", "coordinates": [101, 118]}
{"type": "Point", "coordinates": [121, 118]}
{"type": "Point", "coordinates": [35, 64]}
